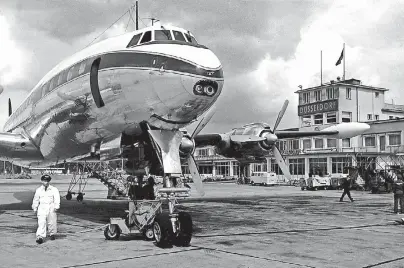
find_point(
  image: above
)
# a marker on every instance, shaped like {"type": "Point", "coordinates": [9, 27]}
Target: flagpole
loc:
{"type": "Point", "coordinates": [321, 67]}
{"type": "Point", "coordinates": [344, 56]}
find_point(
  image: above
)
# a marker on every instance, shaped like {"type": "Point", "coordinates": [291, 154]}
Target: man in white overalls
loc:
{"type": "Point", "coordinates": [46, 202]}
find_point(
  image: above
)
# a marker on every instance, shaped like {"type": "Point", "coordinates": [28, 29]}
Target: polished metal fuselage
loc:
{"type": "Point", "coordinates": [65, 122]}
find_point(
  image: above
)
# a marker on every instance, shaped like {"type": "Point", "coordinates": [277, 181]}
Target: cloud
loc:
{"type": "Point", "coordinates": [267, 48]}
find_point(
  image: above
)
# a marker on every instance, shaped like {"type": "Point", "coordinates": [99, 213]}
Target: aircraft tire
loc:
{"type": "Point", "coordinates": [69, 196]}
{"type": "Point", "coordinates": [163, 230]}
{"type": "Point", "coordinates": [184, 234]}
{"type": "Point", "coordinates": [112, 233]}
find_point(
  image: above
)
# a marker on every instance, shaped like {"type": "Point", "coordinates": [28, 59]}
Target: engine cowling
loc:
{"type": "Point", "coordinates": [187, 146]}
{"type": "Point", "coordinates": [270, 139]}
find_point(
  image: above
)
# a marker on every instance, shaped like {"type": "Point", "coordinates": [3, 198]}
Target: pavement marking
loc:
{"type": "Point", "coordinates": [299, 230]}
{"type": "Point", "coordinates": [250, 256]}
{"type": "Point", "coordinates": [129, 258]}
{"type": "Point", "coordinates": [384, 262]}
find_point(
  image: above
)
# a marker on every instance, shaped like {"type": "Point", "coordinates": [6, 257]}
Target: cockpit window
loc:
{"type": "Point", "coordinates": [190, 38]}
{"type": "Point", "coordinates": [134, 40]}
{"type": "Point", "coordinates": [162, 35]}
{"type": "Point", "coordinates": [179, 36]}
{"type": "Point", "coordinates": [146, 37]}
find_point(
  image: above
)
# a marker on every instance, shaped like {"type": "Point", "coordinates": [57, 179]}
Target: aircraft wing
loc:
{"type": "Point", "coordinates": [299, 134]}
{"type": "Point", "coordinates": [18, 147]}
{"type": "Point", "coordinates": [207, 139]}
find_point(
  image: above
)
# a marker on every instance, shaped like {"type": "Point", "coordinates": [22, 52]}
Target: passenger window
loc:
{"type": "Point", "coordinates": [178, 36]}
{"type": "Point", "coordinates": [70, 74]}
{"type": "Point", "coordinates": [146, 37]}
{"type": "Point", "coordinates": [82, 67]}
{"type": "Point", "coordinates": [60, 79]}
{"type": "Point", "coordinates": [134, 40]}
{"type": "Point", "coordinates": [162, 35]}
{"type": "Point", "coordinates": [44, 90]}
{"type": "Point", "coordinates": [51, 86]}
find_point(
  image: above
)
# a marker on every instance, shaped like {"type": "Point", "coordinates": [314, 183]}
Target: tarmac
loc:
{"type": "Point", "coordinates": [235, 226]}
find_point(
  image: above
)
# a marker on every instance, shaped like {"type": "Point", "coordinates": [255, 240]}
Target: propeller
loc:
{"type": "Point", "coordinates": [205, 120]}
{"type": "Point", "coordinates": [272, 138]}
{"type": "Point", "coordinates": [280, 115]}
{"type": "Point", "coordinates": [196, 177]}
{"type": "Point", "coordinates": [281, 162]}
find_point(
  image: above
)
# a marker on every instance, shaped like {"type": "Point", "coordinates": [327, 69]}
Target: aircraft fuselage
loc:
{"type": "Point", "coordinates": [153, 82]}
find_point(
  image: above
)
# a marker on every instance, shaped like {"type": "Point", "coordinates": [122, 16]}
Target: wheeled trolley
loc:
{"type": "Point", "coordinates": [139, 220]}
{"type": "Point", "coordinates": [147, 217]}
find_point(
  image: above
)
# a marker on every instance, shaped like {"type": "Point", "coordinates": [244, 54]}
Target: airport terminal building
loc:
{"type": "Point", "coordinates": [321, 107]}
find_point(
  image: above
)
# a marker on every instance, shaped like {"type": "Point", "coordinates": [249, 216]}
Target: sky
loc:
{"type": "Point", "coordinates": [267, 47]}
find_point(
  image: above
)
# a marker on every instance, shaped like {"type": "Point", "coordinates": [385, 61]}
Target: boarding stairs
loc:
{"type": "Point", "coordinates": [112, 178]}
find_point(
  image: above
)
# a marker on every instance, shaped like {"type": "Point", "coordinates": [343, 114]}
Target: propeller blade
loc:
{"type": "Point", "coordinates": [195, 175]}
{"type": "Point", "coordinates": [245, 138]}
{"type": "Point", "coordinates": [205, 120]}
{"type": "Point", "coordinates": [10, 109]}
{"type": "Point", "coordinates": [280, 115]}
{"type": "Point", "coordinates": [281, 162]}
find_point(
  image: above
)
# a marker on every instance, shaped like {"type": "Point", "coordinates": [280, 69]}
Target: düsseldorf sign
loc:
{"type": "Point", "coordinates": [318, 107]}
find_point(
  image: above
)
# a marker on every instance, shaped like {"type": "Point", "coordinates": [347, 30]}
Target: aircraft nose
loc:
{"type": "Point", "coordinates": [207, 59]}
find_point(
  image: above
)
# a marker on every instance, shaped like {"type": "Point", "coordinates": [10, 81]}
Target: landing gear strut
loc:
{"type": "Point", "coordinates": [173, 227]}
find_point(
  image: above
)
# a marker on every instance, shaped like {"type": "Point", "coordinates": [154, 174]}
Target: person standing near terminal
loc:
{"type": "Point", "coordinates": [346, 185]}
{"type": "Point", "coordinates": [46, 202]}
{"type": "Point", "coordinates": [398, 195]}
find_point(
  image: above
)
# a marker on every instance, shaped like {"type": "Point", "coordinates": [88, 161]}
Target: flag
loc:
{"type": "Point", "coordinates": [340, 58]}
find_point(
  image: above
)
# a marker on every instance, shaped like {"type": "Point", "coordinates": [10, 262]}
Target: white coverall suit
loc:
{"type": "Point", "coordinates": [46, 203]}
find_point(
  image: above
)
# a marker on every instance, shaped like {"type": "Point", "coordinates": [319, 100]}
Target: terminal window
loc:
{"type": "Point", "coordinates": [348, 93]}
{"type": "Point", "coordinates": [338, 163]}
{"type": "Point", "coordinates": [346, 143]}
{"type": "Point", "coordinates": [318, 166]}
{"type": "Point", "coordinates": [331, 117]}
{"type": "Point", "coordinates": [318, 143]}
{"type": "Point", "coordinates": [318, 119]}
{"type": "Point", "coordinates": [306, 97]}
{"type": "Point", "coordinates": [331, 143]}
{"type": "Point", "coordinates": [376, 94]}
{"type": "Point", "coordinates": [395, 139]}
{"type": "Point", "coordinates": [297, 166]}
{"type": "Point", "coordinates": [370, 141]}
{"type": "Point", "coordinates": [346, 117]}
{"type": "Point", "coordinates": [317, 95]}
{"type": "Point", "coordinates": [306, 144]}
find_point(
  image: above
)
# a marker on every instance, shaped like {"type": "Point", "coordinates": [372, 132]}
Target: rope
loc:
{"type": "Point", "coordinates": [128, 10]}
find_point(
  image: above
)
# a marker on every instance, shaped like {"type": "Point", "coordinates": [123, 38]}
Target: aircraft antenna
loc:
{"type": "Point", "coordinates": [127, 11]}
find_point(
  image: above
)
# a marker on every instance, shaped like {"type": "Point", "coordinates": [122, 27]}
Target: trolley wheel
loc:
{"type": "Point", "coordinates": [80, 197]}
{"type": "Point", "coordinates": [163, 230]}
{"type": "Point", "coordinates": [112, 232]}
{"type": "Point", "coordinates": [148, 233]}
{"type": "Point", "coordinates": [69, 196]}
{"type": "Point", "coordinates": [184, 234]}
{"type": "Point", "coordinates": [302, 188]}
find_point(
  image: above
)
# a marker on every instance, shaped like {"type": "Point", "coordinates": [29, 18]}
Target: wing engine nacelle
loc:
{"type": "Point", "coordinates": [348, 130]}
